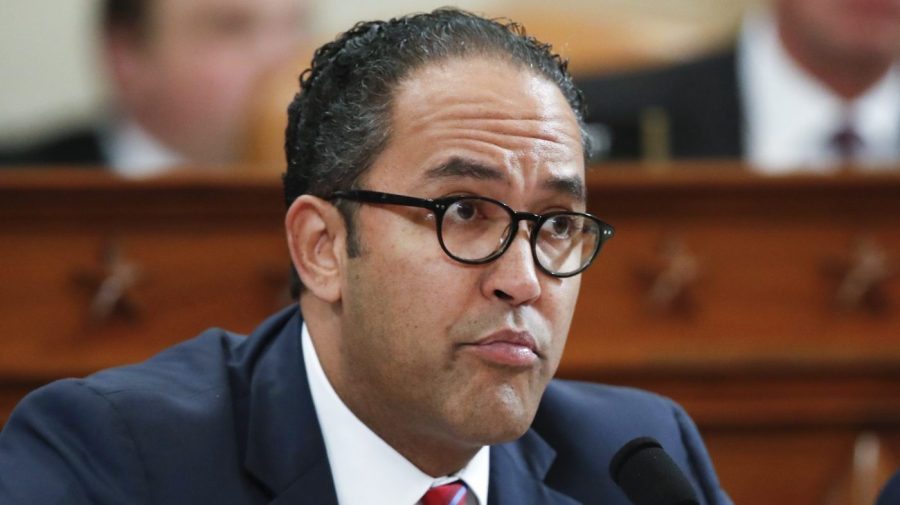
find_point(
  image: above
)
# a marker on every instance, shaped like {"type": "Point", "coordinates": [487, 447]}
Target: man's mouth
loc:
{"type": "Point", "coordinates": [507, 348]}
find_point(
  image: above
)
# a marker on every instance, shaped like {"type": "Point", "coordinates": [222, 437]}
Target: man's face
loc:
{"type": "Point", "coordinates": [440, 348]}
{"type": "Point", "coordinates": [858, 29]}
{"type": "Point", "coordinates": [189, 82]}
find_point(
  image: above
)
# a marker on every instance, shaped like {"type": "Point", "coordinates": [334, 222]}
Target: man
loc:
{"type": "Point", "coordinates": [182, 72]}
{"type": "Point", "coordinates": [811, 84]}
{"type": "Point", "coordinates": [433, 315]}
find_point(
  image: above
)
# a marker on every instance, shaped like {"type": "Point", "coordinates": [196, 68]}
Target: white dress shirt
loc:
{"type": "Point", "coordinates": [132, 152]}
{"type": "Point", "coordinates": [791, 117]}
{"type": "Point", "coordinates": [366, 470]}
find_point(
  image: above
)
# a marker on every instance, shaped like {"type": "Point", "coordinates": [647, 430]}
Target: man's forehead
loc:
{"type": "Point", "coordinates": [485, 118]}
{"type": "Point", "coordinates": [484, 88]}
{"type": "Point", "coordinates": [561, 182]}
{"type": "Point", "coordinates": [483, 78]}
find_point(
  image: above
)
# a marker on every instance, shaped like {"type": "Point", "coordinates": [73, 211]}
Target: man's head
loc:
{"type": "Point", "coordinates": [185, 69]}
{"type": "Point", "coordinates": [435, 355]}
{"type": "Point", "coordinates": [340, 120]}
{"type": "Point", "coordinates": [853, 35]}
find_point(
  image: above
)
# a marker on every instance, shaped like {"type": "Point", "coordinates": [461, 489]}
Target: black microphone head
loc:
{"type": "Point", "coordinates": [648, 475]}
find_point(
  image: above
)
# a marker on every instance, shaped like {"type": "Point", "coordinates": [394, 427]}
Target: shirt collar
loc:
{"type": "Point", "coordinates": [366, 470]}
{"type": "Point", "coordinates": [877, 116]}
{"type": "Point", "coordinates": [132, 152]}
{"type": "Point", "coordinates": [791, 116]}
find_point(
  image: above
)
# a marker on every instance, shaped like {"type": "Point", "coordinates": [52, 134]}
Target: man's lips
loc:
{"type": "Point", "coordinates": [508, 348]}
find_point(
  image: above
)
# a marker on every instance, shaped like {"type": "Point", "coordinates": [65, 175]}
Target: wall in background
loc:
{"type": "Point", "coordinates": [49, 76]}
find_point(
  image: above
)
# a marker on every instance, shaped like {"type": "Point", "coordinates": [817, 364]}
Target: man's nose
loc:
{"type": "Point", "coordinates": [513, 277]}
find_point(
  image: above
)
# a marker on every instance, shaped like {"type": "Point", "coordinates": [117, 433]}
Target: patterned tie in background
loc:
{"type": "Point", "coordinates": [847, 142]}
{"type": "Point", "coordinates": [448, 494]}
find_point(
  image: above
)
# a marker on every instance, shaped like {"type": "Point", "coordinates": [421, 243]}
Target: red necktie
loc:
{"type": "Point", "coordinates": [448, 494]}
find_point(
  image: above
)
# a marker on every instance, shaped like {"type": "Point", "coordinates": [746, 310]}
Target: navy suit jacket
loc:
{"type": "Point", "coordinates": [700, 98]}
{"type": "Point", "coordinates": [224, 419]}
{"type": "Point", "coordinates": [890, 495]}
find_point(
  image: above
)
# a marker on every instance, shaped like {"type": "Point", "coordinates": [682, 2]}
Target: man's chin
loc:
{"type": "Point", "coordinates": [505, 417]}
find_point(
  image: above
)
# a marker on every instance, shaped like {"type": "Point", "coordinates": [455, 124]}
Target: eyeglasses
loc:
{"type": "Point", "coordinates": [476, 230]}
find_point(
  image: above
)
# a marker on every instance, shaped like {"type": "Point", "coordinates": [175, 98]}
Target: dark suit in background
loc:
{"type": "Point", "coordinates": [77, 147]}
{"type": "Point", "coordinates": [700, 100]}
{"type": "Point", "coordinates": [227, 420]}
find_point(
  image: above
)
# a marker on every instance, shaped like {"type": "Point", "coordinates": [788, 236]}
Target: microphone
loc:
{"type": "Point", "coordinates": [648, 475]}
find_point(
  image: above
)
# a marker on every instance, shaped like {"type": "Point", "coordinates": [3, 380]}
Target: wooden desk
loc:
{"type": "Point", "coordinates": [746, 327]}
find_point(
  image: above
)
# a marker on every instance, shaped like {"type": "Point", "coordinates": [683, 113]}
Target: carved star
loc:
{"type": "Point", "coordinates": [862, 276]}
{"type": "Point", "coordinates": [112, 285]}
{"type": "Point", "coordinates": [670, 278]}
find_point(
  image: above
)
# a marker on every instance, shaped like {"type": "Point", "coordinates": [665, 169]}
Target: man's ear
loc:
{"type": "Point", "coordinates": [316, 237]}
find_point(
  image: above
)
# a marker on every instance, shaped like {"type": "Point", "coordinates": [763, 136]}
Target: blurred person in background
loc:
{"type": "Point", "coordinates": [809, 84]}
{"type": "Point", "coordinates": [182, 73]}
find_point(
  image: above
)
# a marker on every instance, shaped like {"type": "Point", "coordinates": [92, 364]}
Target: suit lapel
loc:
{"type": "Point", "coordinates": [314, 486]}
{"type": "Point", "coordinates": [285, 451]}
{"type": "Point", "coordinates": [517, 474]}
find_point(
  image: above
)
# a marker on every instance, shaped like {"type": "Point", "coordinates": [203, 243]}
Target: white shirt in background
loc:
{"type": "Point", "coordinates": [133, 153]}
{"type": "Point", "coordinates": [791, 117]}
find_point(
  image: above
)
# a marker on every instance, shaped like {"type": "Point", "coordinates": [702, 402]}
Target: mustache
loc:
{"type": "Point", "coordinates": [525, 323]}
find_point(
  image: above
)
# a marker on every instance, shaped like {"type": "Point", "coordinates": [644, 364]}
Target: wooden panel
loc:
{"type": "Point", "coordinates": [205, 252]}
{"type": "Point", "coordinates": [11, 391]}
{"type": "Point", "coordinates": [766, 251]}
{"type": "Point", "coordinates": [807, 463]}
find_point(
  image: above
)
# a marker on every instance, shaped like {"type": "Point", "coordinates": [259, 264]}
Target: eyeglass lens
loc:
{"type": "Point", "coordinates": [473, 229]}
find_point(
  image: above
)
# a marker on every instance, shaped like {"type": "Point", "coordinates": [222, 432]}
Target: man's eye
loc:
{"type": "Point", "coordinates": [462, 211]}
{"type": "Point", "coordinates": [562, 226]}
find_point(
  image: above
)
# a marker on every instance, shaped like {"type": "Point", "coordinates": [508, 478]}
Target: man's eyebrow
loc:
{"type": "Point", "coordinates": [459, 167]}
{"type": "Point", "coordinates": [571, 186]}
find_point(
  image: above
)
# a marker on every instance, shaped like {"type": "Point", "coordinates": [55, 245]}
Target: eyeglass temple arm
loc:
{"type": "Point", "coordinates": [362, 195]}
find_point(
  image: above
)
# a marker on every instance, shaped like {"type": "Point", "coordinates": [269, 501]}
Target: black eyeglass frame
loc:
{"type": "Point", "coordinates": [440, 206]}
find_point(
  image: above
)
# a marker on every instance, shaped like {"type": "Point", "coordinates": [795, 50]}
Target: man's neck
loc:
{"type": "Point", "coordinates": [365, 468]}
{"type": "Point", "coordinates": [427, 451]}
{"type": "Point", "coordinates": [847, 75]}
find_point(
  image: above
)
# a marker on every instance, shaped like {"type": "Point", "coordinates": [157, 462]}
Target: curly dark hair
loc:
{"type": "Point", "coordinates": [339, 122]}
